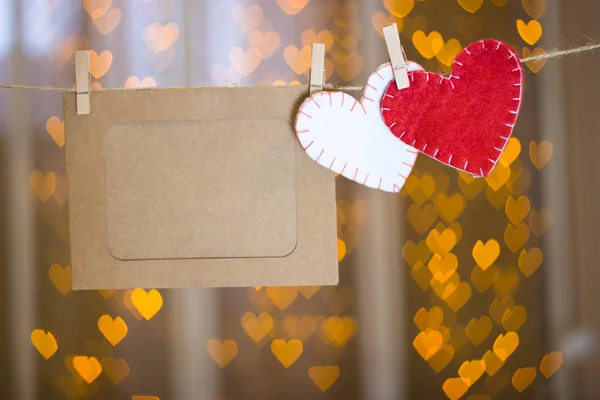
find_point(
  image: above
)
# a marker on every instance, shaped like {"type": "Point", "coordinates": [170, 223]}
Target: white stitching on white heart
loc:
{"type": "Point", "coordinates": [332, 162]}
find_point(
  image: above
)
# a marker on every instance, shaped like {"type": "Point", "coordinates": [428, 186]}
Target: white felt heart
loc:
{"type": "Point", "coordinates": [349, 136]}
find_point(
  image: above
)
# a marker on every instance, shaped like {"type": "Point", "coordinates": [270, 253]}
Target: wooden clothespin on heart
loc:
{"type": "Point", "coordinates": [317, 69]}
{"type": "Point", "coordinates": [397, 55]}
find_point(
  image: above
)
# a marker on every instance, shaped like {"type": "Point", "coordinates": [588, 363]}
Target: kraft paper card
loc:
{"type": "Point", "coordinates": [196, 187]}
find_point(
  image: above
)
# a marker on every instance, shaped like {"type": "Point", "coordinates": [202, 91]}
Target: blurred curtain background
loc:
{"type": "Point", "coordinates": [391, 329]}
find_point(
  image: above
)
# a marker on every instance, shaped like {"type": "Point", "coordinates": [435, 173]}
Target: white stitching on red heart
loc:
{"type": "Point", "coordinates": [510, 124]}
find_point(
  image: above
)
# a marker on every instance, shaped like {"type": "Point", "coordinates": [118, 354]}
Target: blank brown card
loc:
{"type": "Point", "coordinates": [196, 187]}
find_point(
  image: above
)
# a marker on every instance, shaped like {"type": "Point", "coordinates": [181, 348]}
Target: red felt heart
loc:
{"type": "Point", "coordinates": [465, 120]}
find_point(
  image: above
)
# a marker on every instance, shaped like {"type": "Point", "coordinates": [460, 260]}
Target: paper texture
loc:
{"type": "Point", "coordinates": [196, 187]}
{"type": "Point", "coordinates": [350, 138]}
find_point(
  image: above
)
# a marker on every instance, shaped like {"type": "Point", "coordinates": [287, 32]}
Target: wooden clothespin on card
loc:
{"type": "Point", "coordinates": [317, 69]}
{"type": "Point", "coordinates": [397, 55]}
{"type": "Point", "coordinates": [83, 81]}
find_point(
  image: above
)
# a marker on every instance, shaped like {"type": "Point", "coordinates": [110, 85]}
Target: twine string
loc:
{"type": "Point", "coordinates": [562, 53]}
{"type": "Point", "coordinates": [558, 53]}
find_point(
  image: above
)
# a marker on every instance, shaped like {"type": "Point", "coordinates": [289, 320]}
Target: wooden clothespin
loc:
{"type": "Point", "coordinates": [397, 55]}
{"type": "Point", "coordinates": [317, 69]}
{"type": "Point", "coordinates": [83, 81]}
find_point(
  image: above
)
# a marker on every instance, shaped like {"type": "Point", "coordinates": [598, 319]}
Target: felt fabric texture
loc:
{"type": "Point", "coordinates": [349, 136]}
{"type": "Point", "coordinates": [465, 120]}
